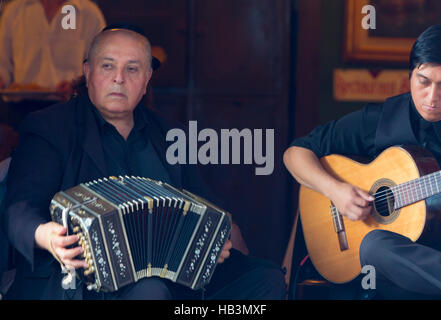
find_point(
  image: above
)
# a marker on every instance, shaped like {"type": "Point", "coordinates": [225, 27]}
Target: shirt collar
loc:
{"type": "Point", "coordinates": [140, 117]}
{"type": "Point", "coordinates": [417, 119]}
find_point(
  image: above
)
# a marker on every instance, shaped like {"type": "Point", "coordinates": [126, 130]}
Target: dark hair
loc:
{"type": "Point", "coordinates": [426, 49]}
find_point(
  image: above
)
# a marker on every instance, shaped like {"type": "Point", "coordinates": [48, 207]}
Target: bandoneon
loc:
{"type": "Point", "coordinates": [132, 227]}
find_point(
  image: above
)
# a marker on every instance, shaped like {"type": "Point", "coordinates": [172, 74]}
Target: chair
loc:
{"type": "Point", "coordinates": [302, 279]}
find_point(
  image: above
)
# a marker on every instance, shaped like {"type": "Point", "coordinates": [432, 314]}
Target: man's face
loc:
{"type": "Point", "coordinates": [117, 76]}
{"type": "Point", "coordinates": [425, 88]}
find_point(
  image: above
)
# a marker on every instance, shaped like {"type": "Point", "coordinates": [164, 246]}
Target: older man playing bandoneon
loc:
{"type": "Point", "coordinates": [106, 132]}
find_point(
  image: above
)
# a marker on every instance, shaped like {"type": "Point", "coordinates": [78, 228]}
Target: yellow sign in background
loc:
{"type": "Point", "coordinates": [368, 85]}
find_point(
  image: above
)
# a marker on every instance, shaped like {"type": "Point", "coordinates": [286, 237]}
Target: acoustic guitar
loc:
{"type": "Point", "coordinates": [401, 179]}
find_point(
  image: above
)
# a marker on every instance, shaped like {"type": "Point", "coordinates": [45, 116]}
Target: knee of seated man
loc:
{"type": "Point", "coordinates": [147, 289]}
{"type": "Point", "coordinates": [273, 279]}
{"type": "Point", "coordinates": [373, 243]}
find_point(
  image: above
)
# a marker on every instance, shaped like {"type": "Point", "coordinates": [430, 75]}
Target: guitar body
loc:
{"type": "Point", "coordinates": [394, 166]}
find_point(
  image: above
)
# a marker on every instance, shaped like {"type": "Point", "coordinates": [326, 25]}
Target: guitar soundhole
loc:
{"type": "Point", "coordinates": [384, 210]}
{"type": "Point", "coordinates": [384, 202]}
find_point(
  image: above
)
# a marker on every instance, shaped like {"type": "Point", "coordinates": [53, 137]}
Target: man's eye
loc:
{"type": "Point", "coordinates": [132, 69]}
{"type": "Point", "coordinates": [107, 66]}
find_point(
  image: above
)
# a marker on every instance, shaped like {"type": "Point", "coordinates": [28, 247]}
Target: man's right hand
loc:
{"type": "Point", "coordinates": [51, 237]}
{"type": "Point", "coordinates": [351, 201]}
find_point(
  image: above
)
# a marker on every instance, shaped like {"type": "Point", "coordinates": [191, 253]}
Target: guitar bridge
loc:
{"type": "Point", "coordinates": [339, 228]}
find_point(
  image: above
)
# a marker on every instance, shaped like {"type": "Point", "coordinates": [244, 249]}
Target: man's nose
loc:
{"type": "Point", "coordinates": [435, 94]}
{"type": "Point", "coordinates": [119, 76]}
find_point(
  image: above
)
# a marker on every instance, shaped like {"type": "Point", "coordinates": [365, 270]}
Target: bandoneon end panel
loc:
{"type": "Point", "coordinates": [133, 227]}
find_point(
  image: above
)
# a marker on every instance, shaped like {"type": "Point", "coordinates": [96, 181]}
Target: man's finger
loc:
{"type": "Point", "coordinates": [64, 241]}
{"type": "Point", "coordinates": [366, 196]}
{"type": "Point", "coordinates": [69, 240]}
{"type": "Point", "coordinates": [228, 245]}
{"type": "Point", "coordinates": [69, 253]}
{"type": "Point", "coordinates": [68, 257]}
{"type": "Point", "coordinates": [361, 202]}
{"type": "Point", "coordinates": [76, 264]}
{"type": "Point", "coordinates": [355, 212]}
{"type": "Point", "coordinates": [224, 255]}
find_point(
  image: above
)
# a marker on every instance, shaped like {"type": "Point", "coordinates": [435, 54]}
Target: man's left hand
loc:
{"type": "Point", "coordinates": [225, 252]}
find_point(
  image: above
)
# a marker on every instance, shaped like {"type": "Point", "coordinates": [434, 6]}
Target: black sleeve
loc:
{"type": "Point", "coordinates": [353, 134]}
{"type": "Point", "coordinates": [33, 178]}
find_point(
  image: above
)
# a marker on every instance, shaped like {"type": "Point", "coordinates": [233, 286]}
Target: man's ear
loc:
{"type": "Point", "coordinates": [149, 76]}
{"type": "Point", "coordinates": [86, 71]}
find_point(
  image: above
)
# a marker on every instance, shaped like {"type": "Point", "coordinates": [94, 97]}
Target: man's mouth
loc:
{"type": "Point", "coordinates": [117, 94]}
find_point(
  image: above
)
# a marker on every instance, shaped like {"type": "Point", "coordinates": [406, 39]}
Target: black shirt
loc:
{"type": "Point", "coordinates": [354, 134]}
{"type": "Point", "coordinates": [136, 156]}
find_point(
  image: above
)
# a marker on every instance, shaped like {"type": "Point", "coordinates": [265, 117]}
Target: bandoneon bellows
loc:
{"type": "Point", "coordinates": [132, 227]}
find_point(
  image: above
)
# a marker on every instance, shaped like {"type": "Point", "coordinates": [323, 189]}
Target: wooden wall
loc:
{"type": "Point", "coordinates": [228, 66]}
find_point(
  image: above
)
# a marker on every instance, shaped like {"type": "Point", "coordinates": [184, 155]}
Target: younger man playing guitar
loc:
{"type": "Point", "coordinates": [404, 269]}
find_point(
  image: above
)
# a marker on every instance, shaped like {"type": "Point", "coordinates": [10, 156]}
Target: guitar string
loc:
{"type": "Point", "coordinates": [407, 194]}
{"type": "Point", "coordinates": [392, 193]}
{"type": "Point", "coordinates": [335, 212]}
{"type": "Point", "coordinates": [399, 191]}
{"type": "Point", "coordinates": [407, 186]}
{"type": "Point", "coordinates": [382, 203]}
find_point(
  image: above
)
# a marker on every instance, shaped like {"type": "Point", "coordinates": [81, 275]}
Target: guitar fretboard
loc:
{"type": "Point", "coordinates": [417, 189]}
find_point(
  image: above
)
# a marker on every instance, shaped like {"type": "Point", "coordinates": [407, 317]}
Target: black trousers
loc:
{"type": "Point", "coordinates": [240, 277]}
{"type": "Point", "coordinates": [404, 269]}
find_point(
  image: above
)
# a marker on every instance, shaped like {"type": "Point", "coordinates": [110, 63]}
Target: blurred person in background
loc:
{"type": "Point", "coordinates": [43, 44]}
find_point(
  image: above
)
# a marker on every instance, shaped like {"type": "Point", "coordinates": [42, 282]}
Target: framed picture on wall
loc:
{"type": "Point", "coordinates": [397, 24]}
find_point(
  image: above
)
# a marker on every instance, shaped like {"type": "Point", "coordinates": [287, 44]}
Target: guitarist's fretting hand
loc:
{"type": "Point", "coordinates": [352, 202]}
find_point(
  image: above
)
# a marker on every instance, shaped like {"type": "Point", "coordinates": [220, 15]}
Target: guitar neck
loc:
{"type": "Point", "coordinates": [417, 189]}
